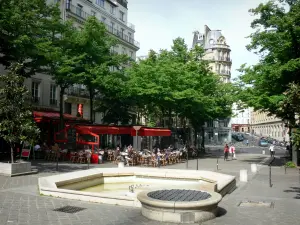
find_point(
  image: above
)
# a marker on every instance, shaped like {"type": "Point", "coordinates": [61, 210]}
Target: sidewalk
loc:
{"type": "Point", "coordinates": [284, 195]}
{"type": "Point", "coordinates": [21, 204]}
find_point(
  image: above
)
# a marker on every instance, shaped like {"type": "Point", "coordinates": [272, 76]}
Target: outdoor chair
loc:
{"type": "Point", "coordinates": [81, 157]}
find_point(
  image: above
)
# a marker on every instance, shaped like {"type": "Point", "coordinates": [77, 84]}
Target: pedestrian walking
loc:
{"type": "Point", "coordinates": [232, 151]}
{"type": "Point", "coordinates": [272, 150]}
{"type": "Point", "coordinates": [226, 152]}
{"type": "Point", "coordinates": [247, 142]}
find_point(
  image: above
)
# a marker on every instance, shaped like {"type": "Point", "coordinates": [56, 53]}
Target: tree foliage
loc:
{"type": "Point", "coordinates": [277, 42]}
{"type": "Point", "coordinates": [179, 83]}
{"type": "Point", "coordinates": [23, 24]}
{"type": "Point", "coordinates": [16, 124]}
{"type": "Point", "coordinates": [96, 66]}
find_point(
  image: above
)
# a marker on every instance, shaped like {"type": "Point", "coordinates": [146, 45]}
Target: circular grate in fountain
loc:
{"type": "Point", "coordinates": [179, 195]}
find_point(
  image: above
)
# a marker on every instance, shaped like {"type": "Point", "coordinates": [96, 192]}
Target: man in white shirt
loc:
{"type": "Point", "coordinates": [272, 150]}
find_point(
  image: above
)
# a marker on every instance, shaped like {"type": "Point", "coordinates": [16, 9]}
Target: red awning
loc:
{"type": "Point", "coordinates": [97, 129]}
{"type": "Point", "coordinates": [125, 130]}
{"type": "Point", "coordinates": [42, 116]}
{"type": "Point", "coordinates": [152, 132]}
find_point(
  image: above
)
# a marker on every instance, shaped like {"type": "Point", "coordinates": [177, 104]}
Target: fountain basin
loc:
{"type": "Point", "coordinates": [77, 185]}
{"type": "Point", "coordinates": [179, 205]}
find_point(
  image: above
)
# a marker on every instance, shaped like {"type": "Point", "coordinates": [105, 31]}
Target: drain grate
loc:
{"type": "Point", "coordinates": [256, 204]}
{"type": "Point", "coordinates": [179, 195]}
{"type": "Point", "coordinates": [69, 209]}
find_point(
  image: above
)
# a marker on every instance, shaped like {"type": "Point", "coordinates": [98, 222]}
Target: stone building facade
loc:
{"type": "Point", "coordinates": [114, 14]}
{"type": "Point", "coordinates": [217, 51]}
{"type": "Point", "coordinates": [241, 120]}
{"type": "Point", "coordinates": [268, 126]}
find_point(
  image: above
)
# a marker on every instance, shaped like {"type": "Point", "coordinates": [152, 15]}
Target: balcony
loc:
{"type": "Point", "coordinates": [35, 100]}
{"type": "Point", "coordinates": [222, 58]}
{"type": "Point", "coordinates": [221, 46]}
{"type": "Point", "coordinates": [80, 13]}
{"type": "Point", "coordinates": [78, 92]}
{"type": "Point", "coordinates": [224, 72]}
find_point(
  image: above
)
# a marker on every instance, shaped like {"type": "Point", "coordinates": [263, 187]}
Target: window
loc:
{"type": "Point", "coordinates": [100, 3]}
{"type": "Point", "coordinates": [122, 32]}
{"type": "Point", "coordinates": [112, 27]}
{"type": "Point", "coordinates": [103, 19]}
{"type": "Point", "coordinates": [131, 54]}
{"type": "Point", "coordinates": [53, 100]}
{"type": "Point", "coordinates": [68, 108]}
{"type": "Point", "coordinates": [112, 9]}
{"type": "Point", "coordinates": [122, 15]}
{"type": "Point", "coordinates": [68, 4]}
{"type": "Point", "coordinates": [124, 51]}
{"type": "Point", "coordinates": [79, 10]}
{"type": "Point", "coordinates": [35, 86]}
{"type": "Point", "coordinates": [93, 13]}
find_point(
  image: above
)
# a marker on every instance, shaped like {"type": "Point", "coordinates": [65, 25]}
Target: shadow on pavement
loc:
{"type": "Point", "coordinates": [254, 160]}
{"type": "Point", "coordinates": [295, 190]}
{"type": "Point", "coordinates": [221, 212]}
{"type": "Point", "coordinates": [277, 162]}
{"type": "Point", "coordinates": [63, 167]}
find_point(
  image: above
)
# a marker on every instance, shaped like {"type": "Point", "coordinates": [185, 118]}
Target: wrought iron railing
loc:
{"type": "Point", "coordinates": [78, 11]}
{"type": "Point", "coordinates": [78, 92]}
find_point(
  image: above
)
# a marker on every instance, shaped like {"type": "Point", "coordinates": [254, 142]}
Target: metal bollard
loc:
{"type": "Point", "coordinates": [197, 161]}
{"type": "Point", "coordinates": [270, 174]}
{"type": "Point", "coordinates": [217, 164]}
{"type": "Point", "coordinates": [187, 160]}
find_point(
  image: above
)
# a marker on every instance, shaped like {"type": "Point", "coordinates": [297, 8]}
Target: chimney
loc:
{"type": "Point", "coordinates": [206, 30]}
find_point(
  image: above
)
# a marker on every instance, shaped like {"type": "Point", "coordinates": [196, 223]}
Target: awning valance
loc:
{"type": "Point", "coordinates": [152, 132]}
{"type": "Point", "coordinates": [97, 129]}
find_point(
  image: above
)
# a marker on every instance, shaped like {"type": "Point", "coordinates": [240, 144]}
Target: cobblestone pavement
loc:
{"type": "Point", "coordinates": [20, 202]}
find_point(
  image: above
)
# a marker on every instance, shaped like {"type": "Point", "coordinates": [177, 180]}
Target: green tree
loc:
{"type": "Point", "coordinates": [96, 43]}
{"type": "Point", "coordinates": [23, 24]}
{"type": "Point", "coordinates": [276, 41]}
{"type": "Point", "coordinates": [16, 124]}
{"type": "Point", "coordinates": [61, 57]}
{"type": "Point", "coordinates": [115, 106]}
{"type": "Point", "coordinates": [180, 83]}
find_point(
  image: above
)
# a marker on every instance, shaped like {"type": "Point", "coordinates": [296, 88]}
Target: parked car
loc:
{"type": "Point", "coordinates": [238, 136]}
{"type": "Point", "coordinates": [263, 143]}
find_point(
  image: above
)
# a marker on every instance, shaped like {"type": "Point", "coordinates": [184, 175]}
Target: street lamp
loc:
{"type": "Point", "coordinates": [137, 128]}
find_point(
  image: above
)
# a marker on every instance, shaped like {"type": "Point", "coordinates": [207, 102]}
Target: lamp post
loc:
{"type": "Point", "coordinates": [137, 128]}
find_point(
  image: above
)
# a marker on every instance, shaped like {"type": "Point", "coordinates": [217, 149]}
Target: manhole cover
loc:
{"type": "Point", "coordinates": [69, 209]}
{"type": "Point", "coordinates": [179, 195]}
{"type": "Point", "coordinates": [256, 204]}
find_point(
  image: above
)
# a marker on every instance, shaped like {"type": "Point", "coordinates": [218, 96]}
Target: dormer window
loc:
{"type": "Point", "coordinates": [112, 9]}
{"type": "Point", "coordinates": [122, 14]}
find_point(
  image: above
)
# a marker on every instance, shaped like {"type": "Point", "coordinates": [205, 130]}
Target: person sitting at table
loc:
{"type": "Point", "coordinates": [37, 147]}
{"type": "Point", "coordinates": [45, 147]}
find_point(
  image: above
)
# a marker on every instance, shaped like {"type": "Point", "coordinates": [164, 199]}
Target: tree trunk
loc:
{"type": "Point", "coordinates": [12, 153]}
{"type": "Point", "coordinates": [195, 137]}
{"type": "Point", "coordinates": [170, 125]}
{"type": "Point", "coordinates": [294, 150]}
{"type": "Point", "coordinates": [91, 91]}
{"type": "Point", "coordinates": [184, 131]}
{"type": "Point", "coordinates": [61, 107]}
{"type": "Point", "coordinates": [202, 139]}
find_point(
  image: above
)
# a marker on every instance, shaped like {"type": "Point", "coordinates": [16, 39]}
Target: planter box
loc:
{"type": "Point", "coordinates": [15, 169]}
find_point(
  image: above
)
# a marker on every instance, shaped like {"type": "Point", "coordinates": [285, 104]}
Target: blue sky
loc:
{"type": "Point", "coordinates": [158, 22]}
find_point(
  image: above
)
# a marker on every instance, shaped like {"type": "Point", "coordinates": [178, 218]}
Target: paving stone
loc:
{"type": "Point", "coordinates": [20, 202]}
